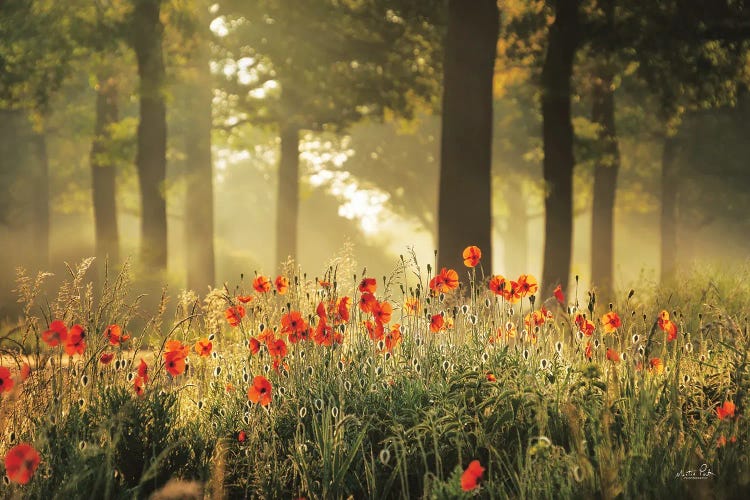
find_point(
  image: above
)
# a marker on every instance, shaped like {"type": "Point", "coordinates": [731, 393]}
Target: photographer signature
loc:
{"type": "Point", "coordinates": [704, 472]}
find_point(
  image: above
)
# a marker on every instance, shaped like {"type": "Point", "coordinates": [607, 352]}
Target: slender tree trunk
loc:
{"type": "Point", "coordinates": [605, 187]}
{"type": "Point", "coordinates": [40, 226]}
{"type": "Point", "coordinates": [199, 203]}
{"type": "Point", "coordinates": [517, 237]}
{"type": "Point", "coordinates": [103, 175]}
{"type": "Point", "coordinates": [465, 198]}
{"type": "Point", "coordinates": [151, 159]}
{"type": "Point", "coordinates": [557, 134]}
{"type": "Point", "coordinates": [287, 199]}
{"type": "Point", "coordinates": [669, 187]}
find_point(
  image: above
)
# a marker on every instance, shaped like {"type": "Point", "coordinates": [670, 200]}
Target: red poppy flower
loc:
{"type": "Point", "coordinates": [726, 410]}
{"type": "Point", "coordinates": [437, 323]}
{"type": "Point", "coordinates": [536, 318]}
{"type": "Point", "coordinates": [292, 322]}
{"type": "Point", "coordinates": [588, 351]}
{"type": "Point", "coordinates": [56, 334]}
{"type": "Point", "coordinates": [584, 325]}
{"type": "Point", "coordinates": [527, 285]}
{"type": "Point", "coordinates": [611, 322]}
{"type": "Point", "coordinates": [324, 334]}
{"type": "Point", "coordinates": [446, 281]}
{"type": "Point", "coordinates": [139, 385]}
{"type": "Point", "coordinates": [241, 436]}
{"type": "Point", "coordinates": [393, 338]}
{"type": "Point", "coordinates": [656, 365]}
{"type": "Point", "coordinates": [471, 476]}
{"type": "Point", "coordinates": [21, 462]}
{"type": "Point", "coordinates": [25, 371]}
{"type": "Point", "coordinates": [282, 284]}
{"type": "Point", "coordinates": [75, 343]}
{"type": "Point", "coordinates": [491, 377]}
{"type": "Point", "coordinates": [613, 355]}
{"type": "Point", "coordinates": [667, 326]}
{"type": "Point", "coordinates": [143, 370]}
{"type": "Point", "coordinates": [106, 358]}
{"type": "Point", "coordinates": [277, 348]}
{"type": "Point", "coordinates": [342, 307]}
{"type": "Point", "coordinates": [472, 255]}
{"type": "Point", "coordinates": [254, 345]}
{"type": "Point", "coordinates": [235, 314]}
{"type": "Point", "coordinates": [203, 347]}
{"type": "Point", "coordinates": [245, 298]}
{"type": "Point", "coordinates": [262, 284]}
{"type": "Point", "coordinates": [114, 334]}
{"type": "Point", "coordinates": [367, 302]}
{"type": "Point", "coordinates": [382, 312]}
{"type": "Point", "coordinates": [559, 295]}
{"type": "Point", "coordinates": [260, 391]}
{"type": "Point", "coordinates": [175, 346]}
{"type": "Point", "coordinates": [497, 284]}
{"type": "Point", "coordinates": [375, 331]}
{"type": "Point", "coordinates": [6, 382]}
{"type": "Point", "coordinates": [174, 357]}
{"type": "Point", "coordinates": [368, 285]}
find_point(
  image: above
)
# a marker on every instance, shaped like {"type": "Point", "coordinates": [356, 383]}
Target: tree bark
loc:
{"type": "Point", "coordinates": [199, 202]}
{"type": "Point", "coordinates": [605, 186]}
{"type": "Point", "coordinates": [103, 175]}
{"type": "Point", "coordinates": [464, 197]}
{"type": "Point", "coordinates": [151, 159]}
{"type": "Point", "coordinates": [287, 200]}
{"type": "Point", "coordinates": [517, 237]}
{"type": "Point", "coordinates": [557, 135]}
{"type": "Point", "coordinates": [669, 187]}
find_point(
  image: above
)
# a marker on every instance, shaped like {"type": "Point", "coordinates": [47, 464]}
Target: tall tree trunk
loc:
{"type": "Point", "coordinates": [669, 187]}
{"type": "Point", "coordinates": [287, 199]}
{"type": "Point", "coordinates": [103, 175]}
{"type": "Point", "coordinates": [465, 197]}
{"type": "Point", "coordinates": [517, 237]}
{"type": "Point", "coordinates": [40, 226]}
{"type": "Point", "coordinates": [557, 134]}
{"type": "Point", "coordinates": [199, 203]}
{"type": "Point", "coordinates": [605, 186]}
{"type": "Point", "coordinates": [151, 158]}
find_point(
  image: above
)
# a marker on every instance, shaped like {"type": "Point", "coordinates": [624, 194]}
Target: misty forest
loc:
{"type": "Point", "coordinates": [374, 248]}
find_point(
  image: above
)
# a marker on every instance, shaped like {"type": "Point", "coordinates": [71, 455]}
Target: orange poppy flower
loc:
{"type": "Point", "coordinates": [612, 355]}
{"type": "Point", "coordinates": [21, 462]}
{"type": "Point", "coordinates": [139, 385]}
{"type": "Point", "coordinates": [262, 284]}
{"type": "Point", "coordinates": [174, 363]}
{"type": "Point", "coordinates": [445, 281]}
{"type": "Point", "coordinates": [114, 334]}
{"type": "Point", "coordinates": [559, 295]}
{"type": "Point", "coordinates": [292, 322]}
{"type": "Point", "coordinates": [260, 391]}
{"type": "Point", "coordinates": [6, 382]}
{"type": "Point", "coordinates": [235, 314]}
{"type": "Point", "coordinates": [611, 322]}
{"type": "Point", "coordinates": [511, 292]}
{"type": "Point", "coordinates": [324, 334]}
{"type": "Point", "coordinates": [375, 331]}
{"type": "Point", "coordinates": [281, 284]}
{"type": "Point", "coordinates": [175, 346]}
{"type": "Point", "coordinates": [382, 312]}
{"type": "Point", "coordinates": [368, 285]}
{"type": "Point", "coordinates": [241, 436]}
{"type": "Point", "coordinates": [527, 285]}
{"type": "Point", "coordinates": [367, 302]}
{"type": "Point", "coordinates": [588, 352]}
{"type": "Point", "coordinates": [726, 410]}
{"type": "Point", "coordinates": [203, 347]}
{"type": "Point", "coordinates": [245, 298]}
{"type": "Point", "coordinates": [254, 345]}
{"type": "Point", "coordinates": [437, 323]}
{"type": "Point", "coordinates": [106, 358]}
{"type": "Point", "coordinates": [497, 284]}
{"type": "Point", "coordinates": [491, 377]}
{"type": "Point", "coordinates": [342, 307]}
{"type": "Point", "coordinates": [393, 338]}
{"type": "Point", "coordinates": [471, 476]}
{"type": "Point", "coordinates": [656, 365]}
{"type": "Point", "coordinates": [472, 255]}
{"type": "Point", "coordinates": [143, 370]}
{"type": "Point", "coordinates": [74, 343]}
{"type": "Point", "coordinates": [277, 348]}
{"type": "Point", "coordinates": [411, 305]}
{"type": "Point", "coordinates": [536, 318]}
{"type": "Point", "coordinates": [56, 334]}
{"type": "Point", "coordinates": [669, 327]}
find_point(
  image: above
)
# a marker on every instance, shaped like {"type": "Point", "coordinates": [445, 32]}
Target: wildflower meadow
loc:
{"type": "Point", "coordinates": [428, 383]}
